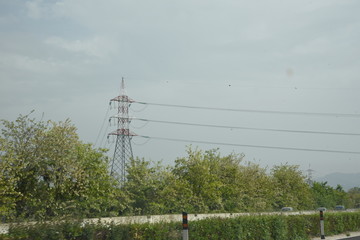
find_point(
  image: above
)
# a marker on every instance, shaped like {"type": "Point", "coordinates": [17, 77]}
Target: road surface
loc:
{"type": "Point", "coordinates": [353, 236]}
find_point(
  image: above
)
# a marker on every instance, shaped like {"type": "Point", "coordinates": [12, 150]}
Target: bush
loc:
{"type": "Point", "coordinates": [265, 227]}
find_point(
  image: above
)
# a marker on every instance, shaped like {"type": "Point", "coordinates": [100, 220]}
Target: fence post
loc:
{"type": "Point", "coordinates": [322, 231]}
{"type": "Point", "coordinates": [185, 231]}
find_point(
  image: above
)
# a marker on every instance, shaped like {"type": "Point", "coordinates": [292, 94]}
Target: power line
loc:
{"type": "Point", "coordinates": [102, 125]}
{"type": "Point", "coordinates": [353, 115]}
{"type": "Point", "coordinates": [250, 128]}
{"type": "Point", "coordinates": [253, 146]}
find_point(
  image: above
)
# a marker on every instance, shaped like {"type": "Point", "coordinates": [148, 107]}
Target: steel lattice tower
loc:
{"type": "Point", "coordinates": [123, 150]}
{"type": "Point", "coordinates": [309, 176]}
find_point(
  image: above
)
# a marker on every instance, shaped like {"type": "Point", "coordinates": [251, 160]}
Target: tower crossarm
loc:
{"type": "Point", "coordinates": [122, 98]}
{"type": "Point", "coordinates": [123, 132]}
{"type": "Point", "coordinates": [127, 119]}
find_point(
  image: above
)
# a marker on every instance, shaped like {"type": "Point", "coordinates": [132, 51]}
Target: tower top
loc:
{"type": "Point", "coordinates": [123, 95]}
{"type": "Point", "coordinates": [122, 89]}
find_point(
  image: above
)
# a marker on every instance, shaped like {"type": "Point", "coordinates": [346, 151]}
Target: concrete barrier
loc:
{"type": "Point", "coordinates": [4, 228]}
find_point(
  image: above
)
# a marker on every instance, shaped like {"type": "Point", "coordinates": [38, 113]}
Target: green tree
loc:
{"type": "Point", "coordinates": [233, 183]}
{"type": "Point", "coordinates": [144, 182]}
{"type": "Point", "coordinates": [223, 183]}
{"type": "Point", "coordinates": [176, 195]}
{"type": "Point", "coordinates": [327, 196]}
{"type": "Point", "coordinates": [341, 197]}
{"type": "Point", "coordinates": [354, 197]}
{"type": "Point", "coordinates": [49, 172]}
{"type": "Point", "coordinates": [201, 171]}
{"type": "Point", "coordinates": [8, 193]}
{"type": "Point", "coordinates": [256, 187]}
{"type": "Point", "coordinates": [291, 189]}
{"type": "Point", "coordinates": [323, 195]}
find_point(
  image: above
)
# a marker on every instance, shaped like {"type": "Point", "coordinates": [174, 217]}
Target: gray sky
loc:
{"type": "Point", "coordinates": [65, 58]}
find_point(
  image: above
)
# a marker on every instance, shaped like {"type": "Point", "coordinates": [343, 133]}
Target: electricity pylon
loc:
{"type": "Point", "coordinates": [309, 179]}
{"type": "Point", "coordinates": [123, 150]}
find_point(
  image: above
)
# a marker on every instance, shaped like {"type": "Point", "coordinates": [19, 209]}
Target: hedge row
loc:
{"type": "Point", "coordinates": [279, 227]}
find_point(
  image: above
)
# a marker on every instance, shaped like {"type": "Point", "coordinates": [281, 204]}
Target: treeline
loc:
{"type": "Point", "coordinates": [47, 172]}
{"type": "Point", "coordinates": [205, 181]}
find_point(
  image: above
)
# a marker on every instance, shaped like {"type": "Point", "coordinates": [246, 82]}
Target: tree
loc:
{"type": "Point", "coordinates": [341, 197]}
{"type": "Point", "coordinates": [176, 195]}
{"type": "Point", "coordinates": [8, 192]}
{"type": "Point", "coordinates": [153, 189]}
{"type": "Point", "coordinates": [143, 185]}
{"type": "Point", "coordinates": [291, 188]}
{"type": "Point", "coordinates": [354, 197]}
{"type": "Point", "coordinates": [327, 196]}
{"type": "Point", "coordinates": [201, 172]}
{"type": "Point", "coordinates": [323, 195]}
{"type": "Point", "coordinates": [256, 188]}
{"type": "Point", "coordinates": [233, 185]}
{"type": "Point", "coordinates": [49, 172]}
{"type": "Point", "coordinates": [223, 183]}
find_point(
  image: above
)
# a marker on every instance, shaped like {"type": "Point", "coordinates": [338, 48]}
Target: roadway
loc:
{"type": "Point", "coordinates": [352, 236]}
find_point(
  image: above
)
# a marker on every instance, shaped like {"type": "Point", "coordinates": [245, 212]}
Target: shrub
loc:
{"type": "Point", "coordinates": [256, 227]}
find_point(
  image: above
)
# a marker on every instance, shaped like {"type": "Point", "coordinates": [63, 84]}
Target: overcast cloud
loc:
{"type": "Point", "coordinates": [65, 58]}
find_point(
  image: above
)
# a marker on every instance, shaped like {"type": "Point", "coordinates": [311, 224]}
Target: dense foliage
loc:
{"type": "Point", "coordinates": [47, 172]}
{"type": "Point", "coordinates": [207, 182]}
{"type": "Point", "coordinates": [279, 227]}
{"type": "Point", "coordinates": [354, 197]}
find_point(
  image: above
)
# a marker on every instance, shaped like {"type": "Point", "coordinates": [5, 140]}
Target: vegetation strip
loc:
{"type": "Point", "coordinates": [253, 227]}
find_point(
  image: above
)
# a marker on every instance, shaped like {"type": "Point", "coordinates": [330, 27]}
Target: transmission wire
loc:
{"type": "Point", "coordinates": [248, 128]}
{"type": "Point", "coordinates": [253, 146]}
{"type": "Point", "coordinates": [355, 115]}
{"type": "Point", "coordinates": [102, 126]}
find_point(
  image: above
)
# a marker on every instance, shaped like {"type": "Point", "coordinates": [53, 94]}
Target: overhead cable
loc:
{"type": "Point", "coordinates": [353, 115]}
{"type": "Point", "coordinates": [102, 125]}
{"type": "Point", "coordinates": [252, 146]}
{"type": "Point", "coordinates": [249, 128]}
